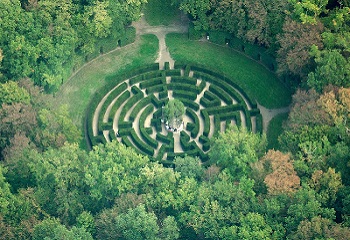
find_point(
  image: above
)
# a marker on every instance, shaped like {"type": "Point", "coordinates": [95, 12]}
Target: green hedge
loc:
{"type": "Point", "coordinates": [221, 94]}
{"type": "Point", "coordinates": [206, 120]}
{"type": "Point", "coordinates": [113, 94]}
{"type": "Point", "coordinates": [210, 100]}
{"type": "Point", "coordinates": [140, 144]}
{"type": "Point", "coordinates": [183, 87]}
{"type": "Point", "coordinates": [185, 142]}
{"type": "Point", "coordinates": [139, 106]}
{"type": "Point", "coordinates": [131, 102]}
{"type": "Point", "coordinates": [173, 72]}
{"type": "Point", "coordinates": [193, 116]}
{"type": "Point", "coordinates": [185, 94]}
{"type": "Point", "coordinates": [121, 99]}
{"type": "Point", "coordinates": [189, 103]}
{"type": "Point", "coordinates": [153, 82]}
{"type": "Point", "coordinates": [259, 123]}
{"type": "Point", "coordinates": [185, 80]}
{"type": "Point", "coordinates": [164, 93]}
{"type": "Point", "coordinates": [145, 131]}
{"type": "Point", "coordinates": [222, 85]}
{"type": "Point", "coordinates": [157, 89]}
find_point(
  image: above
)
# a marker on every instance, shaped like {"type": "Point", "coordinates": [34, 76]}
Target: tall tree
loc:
{"type": "Point", "coordinates": [283, 179]}
{"type": "Point", "coordinates": [236, 148]}
{"type": "Point", "coordinates": [296, 41]}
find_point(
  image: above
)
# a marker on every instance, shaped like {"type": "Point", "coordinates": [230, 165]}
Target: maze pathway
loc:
{"type": "Point", "coordinates": [130, 110]}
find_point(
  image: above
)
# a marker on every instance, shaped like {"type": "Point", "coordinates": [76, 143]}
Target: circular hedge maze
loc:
{"type": "Point", "coordinates": [129, 109]}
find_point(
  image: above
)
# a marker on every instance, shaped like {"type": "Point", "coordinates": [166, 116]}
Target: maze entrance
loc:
{"type": "Point", "coordinates": [130, 111]}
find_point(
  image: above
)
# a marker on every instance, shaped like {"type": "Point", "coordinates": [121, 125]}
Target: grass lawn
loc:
{"type": "Point", "coordinates": [160, 12]}
{"type": "Point", "coordinates": [274, 130]}
{"type": "Point", "coordinates": [253, 78]}
{"type": "Point", "coordinates": [77, 92]}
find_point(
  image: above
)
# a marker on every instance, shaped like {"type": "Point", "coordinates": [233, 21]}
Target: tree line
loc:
{"type": "Point", "coordinates": [44, 39]}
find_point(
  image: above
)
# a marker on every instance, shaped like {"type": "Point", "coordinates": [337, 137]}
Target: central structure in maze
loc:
{"type": "Point", "coordinates": [129, 109]}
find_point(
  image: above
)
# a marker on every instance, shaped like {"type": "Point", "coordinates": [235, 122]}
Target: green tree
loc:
{"type": "Point", "coordinates": [11, 93]}
{"type": "Point", "coordinates": [136, 224]}
{"type": "Point", "coordinates": [111, 170]}
{"type": "Point", "coordinates": [173, 112]}
{"type": "Point", "coordinates": [295, 41]}
{"type": "Point", "coordinates": [169, 229]}
{"type": "Point", "coordinates": [189, 167]}
{"type": "Point", "coordinates": [254, 226]}
{"type": "Point", "coordinates": [59, 176]}
{"type": "Point", "coordinates": [52, 229]}
{"type": "Point", "coordinates": [320, 228]}
{"type": "Point", "coordinates": [332, 69]}
{"type": "Point", "coordinates": [236, 148]}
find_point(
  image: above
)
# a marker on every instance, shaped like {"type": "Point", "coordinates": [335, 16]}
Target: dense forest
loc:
{"type": "Point", "coordinates": [52, 188]}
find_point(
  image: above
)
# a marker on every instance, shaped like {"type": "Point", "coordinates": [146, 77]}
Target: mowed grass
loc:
{"type": "Point", "coordinates": [274, 129]}
{"type": "Point", "coordinates": [77, 91]}
{"type": "Point", "coordinates": [160, 12]}
{"type": "Point", "coordinates": [259, 83]}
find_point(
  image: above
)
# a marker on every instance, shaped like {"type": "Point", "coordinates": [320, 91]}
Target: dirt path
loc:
{"type": "Point", "coordinates": [142, 27]}
{"type": "Point", "coordinates": [268, 114]}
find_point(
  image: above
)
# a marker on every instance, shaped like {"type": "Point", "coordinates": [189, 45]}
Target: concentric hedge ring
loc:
{"type": "Point", "coordinates": [129, 109]}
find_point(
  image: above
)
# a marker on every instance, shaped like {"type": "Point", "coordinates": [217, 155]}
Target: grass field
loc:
{"type": "Point", "coordinates": [160, 12]}
{"type": "Point", "coordinates": [77, 91]}
{"type": "Point", "coordinates": [253, 78]}
{"type": "Point", "coordinates": [274, 130]}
